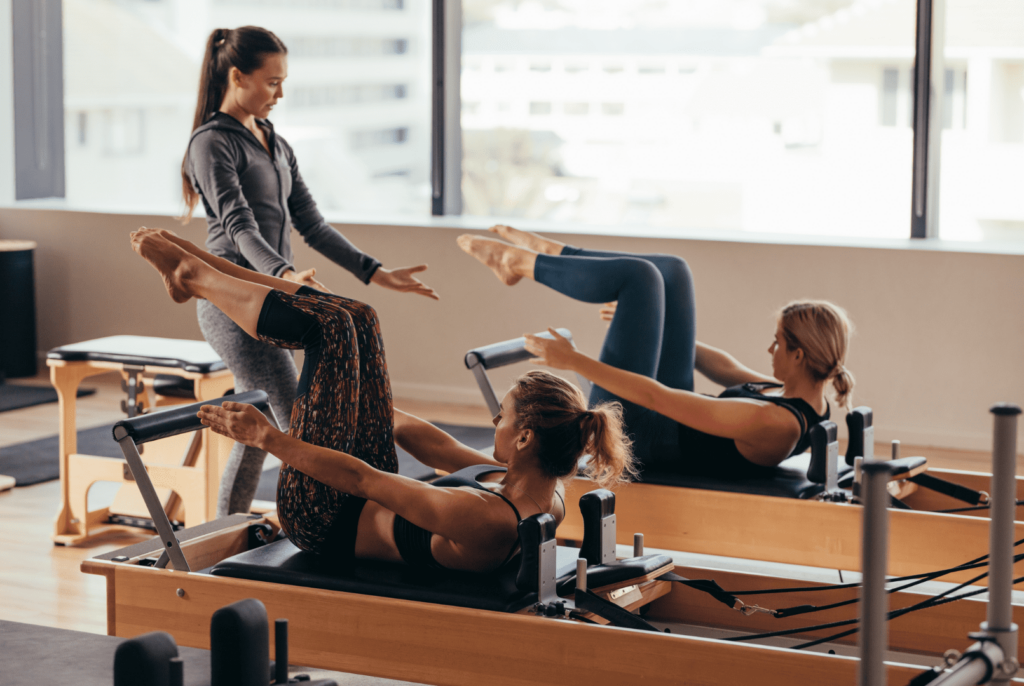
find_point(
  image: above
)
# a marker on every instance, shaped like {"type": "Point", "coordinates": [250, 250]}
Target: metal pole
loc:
{"type": "Point", "coordinates": [874, 603]}
{"type": "Point", "coordinates": [1001, 530]}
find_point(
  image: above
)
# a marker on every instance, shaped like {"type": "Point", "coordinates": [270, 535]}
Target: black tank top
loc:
{"type": "Point", "coordinates": [413, 542]}
{"type": "Point", "coordinates": [706, 455]}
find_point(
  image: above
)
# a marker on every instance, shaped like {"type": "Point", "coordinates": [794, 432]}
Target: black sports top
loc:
{"type": "Point", "coordinates": [413, 542]}
{"type": "Point", "coordinates": [706, 455]}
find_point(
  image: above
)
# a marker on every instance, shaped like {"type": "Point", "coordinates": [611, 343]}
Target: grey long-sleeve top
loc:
{"type": "Point", "coordinates": [253, 198]}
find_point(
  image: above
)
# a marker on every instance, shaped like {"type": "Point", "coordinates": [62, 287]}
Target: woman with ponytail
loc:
{"type": "Point", "coordinates": [650, 354]}
{"type": "Point", "coordinates": [338, 493]}
{"type": "Point", "coordinates": [248, 180]}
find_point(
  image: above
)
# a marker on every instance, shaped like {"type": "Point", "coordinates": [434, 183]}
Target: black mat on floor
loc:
{"type": "Point", "coordinates": [473, 436]}
{"type": "Point", "coordinates": [15, 396]}
{"type": "Point", "coordinates": [35, 655]}
{"type": "Point", "coordinates": [37, 461]}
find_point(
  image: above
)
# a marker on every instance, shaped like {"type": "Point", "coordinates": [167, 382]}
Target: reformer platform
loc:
{"type": "Point", "coordinates": [777, 519]}
{"type": "Point", "coordinates": [186, 471]}
{"type": "Point", "coordinates": [401, 625]}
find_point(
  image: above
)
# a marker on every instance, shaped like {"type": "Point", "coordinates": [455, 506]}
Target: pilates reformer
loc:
{"type": "Point", "coordinates": [560, 615]}
{"type": "Point", "coordinates": [178, 371]}
{"type": "Point", "coordinates": [801, 515]}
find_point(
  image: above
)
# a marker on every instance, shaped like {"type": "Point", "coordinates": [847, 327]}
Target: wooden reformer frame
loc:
{"type": "Point", "coordinates": [446, 645]}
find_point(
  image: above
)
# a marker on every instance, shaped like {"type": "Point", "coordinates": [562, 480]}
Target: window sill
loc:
{"type": "Point", "coordinates": [474, 223]}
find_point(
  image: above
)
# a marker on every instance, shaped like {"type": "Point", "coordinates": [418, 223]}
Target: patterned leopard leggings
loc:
{"type": "Point", "coordinates": [344, 404]}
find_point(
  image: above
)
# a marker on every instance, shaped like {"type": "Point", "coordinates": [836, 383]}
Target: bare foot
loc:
{"type": "Point", "coordinates": [525, 239]}
{"type": "Point", "coordinates": [177, 267]}
{"type": "Point", "coordinates": [501, 258]}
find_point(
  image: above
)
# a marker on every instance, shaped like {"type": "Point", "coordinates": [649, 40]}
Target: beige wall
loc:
{"type": "Point", "coordinates": [938, 333]}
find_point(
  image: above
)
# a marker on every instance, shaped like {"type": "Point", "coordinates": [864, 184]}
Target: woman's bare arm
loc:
{"type": "Point", "coordinates": [763, 432]}
{"type": "Point", "coordinates": [463, 516]}
{"type": "Point", "coordinates": [724, 369]}
{"type": "Point", "coordinates": [433, 447]}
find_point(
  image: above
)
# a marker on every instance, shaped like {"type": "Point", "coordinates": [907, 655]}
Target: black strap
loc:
{"type": "Point", "coordinates": [617, 616]}
{"type": "Point", "coordinates": [707, 586]}
{"type": "Point", "coordinates": [948, 488]}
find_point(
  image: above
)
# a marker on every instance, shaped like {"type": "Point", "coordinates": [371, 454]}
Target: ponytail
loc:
{"type": "Point", "coordinates": [842, 384]}
{"type": "Point", "coordinates": [557, 413]}
{"type": "Point", "coordinates": [611, 461]}
{"type": "Point", "coordinates": [243, 48]}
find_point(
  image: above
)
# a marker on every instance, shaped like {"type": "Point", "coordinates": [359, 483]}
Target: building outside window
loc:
{"type": "Point", "coordinates": [356, 105]}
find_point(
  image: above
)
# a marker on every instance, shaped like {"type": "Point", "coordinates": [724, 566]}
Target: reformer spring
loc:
{"type": "Point", "coordinates": [933, 601]}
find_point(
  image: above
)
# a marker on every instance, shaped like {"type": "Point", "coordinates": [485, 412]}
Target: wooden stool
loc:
{"type": "Point", "coordinates": [185, 469]}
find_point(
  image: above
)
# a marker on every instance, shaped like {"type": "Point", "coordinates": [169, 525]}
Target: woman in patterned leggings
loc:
{"type": "Point", "coordinates": [339, 493]}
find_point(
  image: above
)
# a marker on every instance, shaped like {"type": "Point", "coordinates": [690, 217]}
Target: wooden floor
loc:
{"type": "Point", "coordinates": [41, 583]}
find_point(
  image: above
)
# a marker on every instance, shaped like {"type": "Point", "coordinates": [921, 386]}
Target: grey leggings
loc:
{"type": "Point", "coordinates": [256, 366]}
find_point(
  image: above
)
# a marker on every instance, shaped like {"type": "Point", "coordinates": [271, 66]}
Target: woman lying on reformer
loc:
{"type": "Point", "coordinates": [650, 354]}
{"type": "Point", "coordinates": [338, 493]}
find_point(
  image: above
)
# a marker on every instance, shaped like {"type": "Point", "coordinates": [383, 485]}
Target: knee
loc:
{"type": "Point", "coordinates": [644, 274]}
{"type": "Point", "coordinates": [675, 270]}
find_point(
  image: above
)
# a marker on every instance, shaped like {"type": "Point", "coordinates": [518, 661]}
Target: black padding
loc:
{"type": "Point", "coordinates": [533, 532]}
{"type": "Point", "coordinates": [857, 420]}
{"type": "Point", "coordinates": [788, 480]}
{"type": "Point", "coordinates": [822, 434]}
{"type": "Point", "coordinates": [282, 563]}
{"type": "Point", "coordinates": [595, 507]}
{"type": "Point", "coordinates": [145, 660]}
{"type": "Point", "coordinates": [240, 644]}
{"type": "Point", "coordinates": [181, 419]}
{"type": "Point", "coordinates": [506, 352]}
{"type": "Point", "coordinates": [174, 386]}
{"type": "Point", "coordinates": [903, 466]}
{"type": "Point", "coordinates": [143, 351]}
{"type": "Point", "coordinates": [599, 576]}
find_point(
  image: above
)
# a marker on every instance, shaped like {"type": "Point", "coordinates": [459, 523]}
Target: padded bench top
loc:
{"type": "Point", "coordinates": [281, 562]}
{"type": "Point", "coordinates": [144, 351]}
{"type": "Point", "coordinates": [789, 481]}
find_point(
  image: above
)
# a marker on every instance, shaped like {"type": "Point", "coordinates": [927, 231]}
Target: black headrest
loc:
{"type": "Point", "coordinates": [181, 419]}
{"type": "Point", "coordinates": [857, 421]}
{"type": "Point", "coordinates": [533, 532]}
{"type": "Point", "coordinates": [595, 507]}
{"type": "Point", "coordinates": [822, 434]}
{"type": "Point", "coordinates": [506, 352]}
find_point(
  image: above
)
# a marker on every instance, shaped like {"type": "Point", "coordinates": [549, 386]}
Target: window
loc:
{"type": "Point", "coordinates": [982, 146]}
{"type": "Point", "coordinates": [356, 105]}
{"type": "Point", "coordinates": [753, 115]}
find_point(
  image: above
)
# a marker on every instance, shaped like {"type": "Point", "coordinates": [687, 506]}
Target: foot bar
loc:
{"type": "Point", "coordinates": [183, 419]}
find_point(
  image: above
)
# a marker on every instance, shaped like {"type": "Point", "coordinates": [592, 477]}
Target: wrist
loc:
{"type": "Point", "coordinates": [268, 438]}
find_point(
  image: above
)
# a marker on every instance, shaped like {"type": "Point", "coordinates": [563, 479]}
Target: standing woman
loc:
{"type": "Point", "coordinates": [248, 180]}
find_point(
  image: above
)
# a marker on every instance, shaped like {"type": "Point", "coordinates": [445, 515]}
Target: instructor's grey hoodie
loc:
{"type": "Point", "coordinates": [252, 198]}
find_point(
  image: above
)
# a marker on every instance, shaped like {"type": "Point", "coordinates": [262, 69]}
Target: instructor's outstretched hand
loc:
{"type": "Point", "coordinates": [558, 352]}
{"type": "Point", "coordinates": [403, 281]}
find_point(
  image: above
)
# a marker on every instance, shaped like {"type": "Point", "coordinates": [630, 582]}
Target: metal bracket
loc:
{"type": "Point", "coordinates": [547, 569]}
{"type": "Point", "coordinates": [133, 386]}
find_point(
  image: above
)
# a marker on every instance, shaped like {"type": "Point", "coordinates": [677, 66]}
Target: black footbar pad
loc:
{"type": "Point", "coordinates": [282, 563]}
{"type": "Point", "coordinates": [788, 481]}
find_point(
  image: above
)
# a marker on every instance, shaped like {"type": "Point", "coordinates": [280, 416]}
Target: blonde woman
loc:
{"type": "Point", "coordinates": [650, 353]}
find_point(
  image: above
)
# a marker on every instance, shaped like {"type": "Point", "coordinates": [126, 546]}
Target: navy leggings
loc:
{"type": "Point", "coordinates": [653, 332]}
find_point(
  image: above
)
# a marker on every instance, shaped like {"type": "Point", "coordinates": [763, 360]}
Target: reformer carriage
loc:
{"type": "Point", "coordinates": [799, 515]}
{"type": "Point", "coordinates": [456, 628]}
